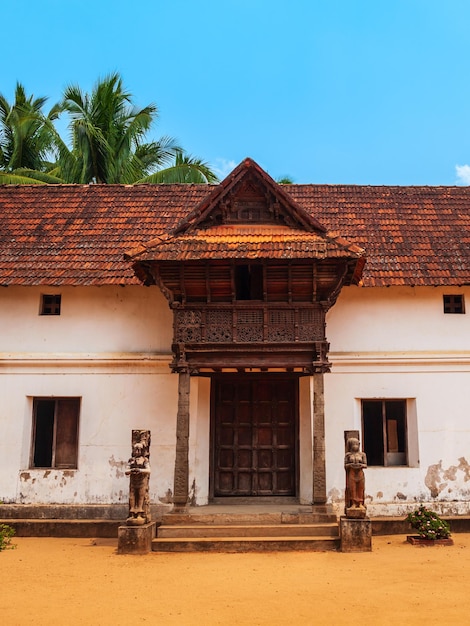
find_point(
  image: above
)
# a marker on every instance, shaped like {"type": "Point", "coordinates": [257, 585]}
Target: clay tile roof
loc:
{"type": "Point", "coordinates": [235, 241]}
{"type": "Point", "coordinates": [78, 235]}
{"type": "Point", "coordinates": [412, 235]}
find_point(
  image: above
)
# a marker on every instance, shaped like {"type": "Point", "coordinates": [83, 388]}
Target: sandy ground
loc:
{"type": "Point", "coordinates": [82, 581]}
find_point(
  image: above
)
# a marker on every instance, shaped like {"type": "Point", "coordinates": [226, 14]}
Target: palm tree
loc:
{"type": "Point", "coordinates": [26, 138]}
{"type": "Point", "coordinates": [107, 137]}
{"type": "Point", "coordinates": [182, 168]}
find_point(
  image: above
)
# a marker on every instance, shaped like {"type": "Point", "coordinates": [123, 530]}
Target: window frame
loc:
{"type": "Point", "coordinates": [56, 442]}
{"type": "Point", "coordinates": [453, 304]}
{"type": "Point", "coordinates": [51, 304]}
{"type": "Point", "coordinates": [399, 458]}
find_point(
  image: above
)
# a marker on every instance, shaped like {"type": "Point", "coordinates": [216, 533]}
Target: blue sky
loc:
{"type": "Point", "coordinates": [325, 91]}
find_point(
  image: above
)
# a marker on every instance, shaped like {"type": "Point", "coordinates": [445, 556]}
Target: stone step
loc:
{"type": "Point", "coordinates": [254, 518]}
{"type": "Point", "coordinates": [245, 530]}
{"type": "Point", "coordinates": [246, 544]}
{"type": "Point", "coordinates": [64, 511]}
{"type": "Point", "coordinates": [63, 527]}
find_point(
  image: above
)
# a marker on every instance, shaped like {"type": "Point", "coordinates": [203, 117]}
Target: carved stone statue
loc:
{"type": "Point", "coordinates": [354, 463]}
{"type": "Point", "coordinates": [138, 470]}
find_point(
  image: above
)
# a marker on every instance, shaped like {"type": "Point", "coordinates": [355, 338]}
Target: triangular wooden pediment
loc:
{"type": "Point", "coordinates": [249, 196]}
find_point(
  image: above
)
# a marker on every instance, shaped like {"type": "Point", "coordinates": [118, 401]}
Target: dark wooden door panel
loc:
{"type": "Point", "coordinates": [255, 437]}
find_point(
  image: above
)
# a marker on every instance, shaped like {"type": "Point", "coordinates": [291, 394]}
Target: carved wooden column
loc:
{"type": "Point", "coordinates": [319, 466]}
{"type": "Point", "coordinates": [181, 480]}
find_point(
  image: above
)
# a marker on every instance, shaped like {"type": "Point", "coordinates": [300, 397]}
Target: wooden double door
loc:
{"type": "Point", "coordinates": [254, 440]}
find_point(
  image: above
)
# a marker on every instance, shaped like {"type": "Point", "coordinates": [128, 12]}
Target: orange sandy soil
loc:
{"type": "Point", "coordinates": [81, 581]}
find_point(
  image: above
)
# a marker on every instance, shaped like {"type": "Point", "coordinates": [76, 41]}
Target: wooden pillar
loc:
{"type": "Point", "coordinates": [181, 480]}
{"type": "Point", "coordinates": [319, 466]}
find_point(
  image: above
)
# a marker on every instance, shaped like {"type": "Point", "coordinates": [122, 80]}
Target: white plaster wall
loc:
{"type": "Point", "coordinates": [397, 343]}
{"type": "Point", "coordinates": [111, 347]}
{"type": "Point", "coordinates": [112, 405]}
{"type": "Point", "coordinates": [199, 440]}
{"type": "Point", "coordinates": [305, 439]}
{"type": "Point", "coordinates": [397, 319]}
{"type": "Point", "coordinates": [92, 319]}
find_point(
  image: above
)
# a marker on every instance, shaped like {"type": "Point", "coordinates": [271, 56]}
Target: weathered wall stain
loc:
{"type": "Point", "coordinates": [335, 495]}
{"type": "Point", "coordinates": [167, 498]}
{"type": "Point", "coordinates": [464, 466]}
{"type": "Point", "coordinates": [433, 479]}
{"type": "Point", "coordinates": [438, 478]}
{"type": "Point", "coordinates": [119, 466]}
{"type": "Point", "coordinates": [192, 494]}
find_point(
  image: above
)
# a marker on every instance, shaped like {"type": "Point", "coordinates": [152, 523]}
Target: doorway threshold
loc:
{"type": "Point", "coordinates": [255, 500]}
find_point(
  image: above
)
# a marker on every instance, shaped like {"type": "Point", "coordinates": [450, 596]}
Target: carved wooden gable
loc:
{"type": "Point", "coordinates": [249, 202]}
{"type": "Point", "coordinates": [249, 196]}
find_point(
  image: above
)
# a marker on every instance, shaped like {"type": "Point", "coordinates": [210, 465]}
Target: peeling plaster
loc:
{"type": "Point", "coordinates": [192, 494]}
{"type": "Point", "coordinates": [401, 496]}
{"type": "Point", "coordinates": [451, 473]}
{"type": "Point", "coordinates": [438, 478]}
{"type": "Point", "coordinates": [119, 466]}
{"type": "Point", "coordinates": [465, 467]}
{"type": "Point", "coordinates": [335, 495]}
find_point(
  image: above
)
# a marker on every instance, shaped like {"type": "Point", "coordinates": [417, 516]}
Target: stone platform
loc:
{"type": "Point", "coordinates": [355, 534]}
{"type": "Point", "coordinates": [136, 539]}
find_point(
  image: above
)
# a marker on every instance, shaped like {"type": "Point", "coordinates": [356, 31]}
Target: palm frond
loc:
{"type": "Point", "coordinates": [6, 178]}
{"type": "Point", "coordinates": [45, 177]}
{"type": "Point", "coordinates": [181, 173]}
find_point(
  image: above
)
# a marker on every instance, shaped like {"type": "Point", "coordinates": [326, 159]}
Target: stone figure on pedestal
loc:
{"type": "Point", "coordinates": [138, 471]}
{"type": "Point", "coordinates": [354, 463]}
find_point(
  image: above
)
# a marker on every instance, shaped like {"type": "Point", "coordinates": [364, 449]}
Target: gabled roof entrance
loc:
{"type": "Point", "coordinates": [250, 275]}
{"type": "Point", "coordinates": [248, 216]}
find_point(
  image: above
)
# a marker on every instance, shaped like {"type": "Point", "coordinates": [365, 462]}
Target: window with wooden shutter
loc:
{"type": "Point", "coordinates": [55, 433]}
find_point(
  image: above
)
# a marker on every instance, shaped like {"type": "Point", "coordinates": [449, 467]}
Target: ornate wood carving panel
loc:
{"type": "Point", "coordinates": [259, 324]}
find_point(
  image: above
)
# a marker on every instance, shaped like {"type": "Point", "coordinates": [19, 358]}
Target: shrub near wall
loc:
{"type": "Point", "coordinates": [6, 535]}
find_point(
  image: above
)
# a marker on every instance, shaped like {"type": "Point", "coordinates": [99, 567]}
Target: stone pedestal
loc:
{"type": "Point", "coordinates": [355, 534]}
{"type": "Point", "coordinates": [356, 512]}
{"type": "Point", "coordinates": [136, 539]}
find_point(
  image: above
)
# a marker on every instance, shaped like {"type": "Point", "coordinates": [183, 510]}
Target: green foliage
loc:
{"type": "Point", "coordinates": [428, 524]}
{"type": "Point", "coordinates": [6, 535]}
{"type": "Point", "coordinates": [285, 180]}
{"type": "Point", "coordinates": [107, 141]}
{"type": "Point", "coordinates": [25, 132]}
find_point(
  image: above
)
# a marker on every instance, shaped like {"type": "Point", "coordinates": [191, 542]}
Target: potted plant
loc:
{"type": "Point", "coordinates": [431, 528]}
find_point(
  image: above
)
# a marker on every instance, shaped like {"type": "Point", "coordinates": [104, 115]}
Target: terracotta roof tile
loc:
{"type": "Point", "coordinates": [77, 235]}
{"type": "Point", "coordinates": [248, 241]}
